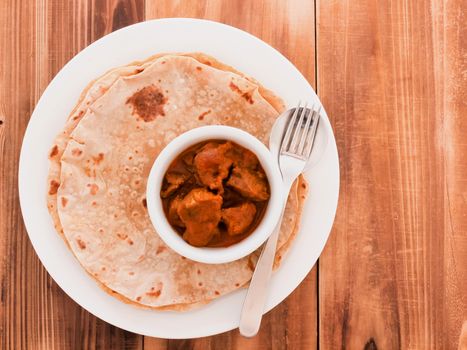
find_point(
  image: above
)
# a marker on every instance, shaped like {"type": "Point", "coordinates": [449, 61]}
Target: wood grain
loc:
{"type": "Point", "coordinates": [392, 76]}
{"type": "Point", "coordinates": [451, 39]}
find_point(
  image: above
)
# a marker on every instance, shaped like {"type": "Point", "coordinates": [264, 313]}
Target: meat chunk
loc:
{"type": "Point", "coordinates": [212, 166]}
{"type": "Point", "coordinates": [200, 211]}
{"type": "Point", "coordinates": [173, 216]}
{"type": "Point", "coordinates": [238, 219]}
{"type": "Point", "coordinates": [173, 181]}
{"type": "Point", "coordinates": [250, 184]}
{"type": "Point", "coordinates": [241, 157]}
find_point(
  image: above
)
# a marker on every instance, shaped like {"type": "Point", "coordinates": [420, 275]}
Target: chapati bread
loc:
{"type": "Point", "coordinates": [100, 163]}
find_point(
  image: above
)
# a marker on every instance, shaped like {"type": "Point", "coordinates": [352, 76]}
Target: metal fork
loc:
{"type": "Point", "coordinates": [296, 146]}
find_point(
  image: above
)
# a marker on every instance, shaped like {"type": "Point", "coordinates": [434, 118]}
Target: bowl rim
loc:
{"type": "Point", "coordinates": [214, 255]}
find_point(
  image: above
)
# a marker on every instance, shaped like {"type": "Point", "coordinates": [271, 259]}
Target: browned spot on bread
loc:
{"type": "Point", "coordinates": [163, 62]}
{"type": "Point", "coordinates": [198, 272]}
{"type": "Point", "coordinates": [237, 284]}
{"type": "Point", "coordinates": [94, 203]}
{"type": "Point", "coordinates": [81, 244]}
{"type": "Point", "coordinates": [138, 299]}
{"type": "Point", "coordinates": [216, 292]}
{"type": "Point", "coordinates": [145, 203]}
{"type": "Point", "coordinates": [53, 151]}
{"type": "Point", "coordinates": [202, 115]}
{"type": "Point", "coordinates": [160, 249]}
{"type": "Point", "coordinates": [130, 242]}
{"type": "Point", "coordinates": [131, 273]}
{"type": "Point", "coordinates": [155, 294]}
{"type": "Point", "coordinates": [139, 70]}
{"type": "Point", "coordinates": [183, 258]}
{"type": "Point", "coordinates": [148, 103]}
{"type": "Point", "coordinates": [98, 159]}
{"type": "Point", "coordinates": [64, 202]}
{"type": "Point", "coordinates": [246, 95]}
{"type": "Point", "coordinates": [200, 284]}
{"type": "Point", "coordinates": [54, 185]}
{"type": "Point", "coordinates": [76, 152]}
{"type": "Point", "coordinates": [199, 68]}
{"type": "Point", "coordinates": [94, 189]}
{"type": "Point", "coordinates": [80, 114]}
{"type": "Point", "coordinates": [89, 172]}
{"type": "Point", "coordinates": [155, 291]}
{"type": "Point", "coordinates": [303, 185]}
{"type": "Point", "coordinates": [234, 87]}
{"type": "Point", "coordinates": [122, 236]}
{"type": "Point", "coordinates": [101, 230]}
{"type": "Point", "coordinates": [103, 268]}
{"type": "Point", "coordinates": [103, 89]}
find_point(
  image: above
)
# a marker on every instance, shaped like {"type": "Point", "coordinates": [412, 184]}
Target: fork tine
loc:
{"type": "Point", "coordinates": [290, 126]}
{"type": "Point", "coordinates": [306, 129]}
{"type": "Point", "coordinates": [298, 130]}
{"type": "Point", "coordinates": [311, 135]}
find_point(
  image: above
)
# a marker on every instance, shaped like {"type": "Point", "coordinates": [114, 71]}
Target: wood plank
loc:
{"type": "Point", "coordinates": [40, 38]}
{"type": "Point", "coordinates": [451, 40]}
{"type": "Point", "coordinates": [289, 27]}
{"type": "Point", "coordinates": [392, 77]}
{"type": "Point", "coordinates": [16, 101]}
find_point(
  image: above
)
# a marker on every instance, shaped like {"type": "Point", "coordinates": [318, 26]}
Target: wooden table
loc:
{"type": "Point", "coordinates": [392, 75]}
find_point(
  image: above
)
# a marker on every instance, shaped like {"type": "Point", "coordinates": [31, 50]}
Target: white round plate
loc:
{"type": "Point", "coordinates": [232, 46]}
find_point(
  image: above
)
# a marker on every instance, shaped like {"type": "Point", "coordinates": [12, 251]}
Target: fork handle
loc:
{"type": "Point", "coordinates": [257, 293]}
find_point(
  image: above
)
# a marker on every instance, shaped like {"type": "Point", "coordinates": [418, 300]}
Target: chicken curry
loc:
{"type": "Point", "coordinates": [215, 193]}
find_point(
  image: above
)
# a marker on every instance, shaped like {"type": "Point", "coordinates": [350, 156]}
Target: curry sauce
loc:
{"type": "Point", "coordinates": [215, 193]}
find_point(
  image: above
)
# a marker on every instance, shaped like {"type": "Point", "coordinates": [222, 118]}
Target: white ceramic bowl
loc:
{"type": "Point", "coordinates": [221, 254]}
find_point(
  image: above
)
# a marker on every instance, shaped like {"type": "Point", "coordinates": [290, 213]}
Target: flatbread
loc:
{"type": "Point", "coordinates": [96, 89]}
{"type": "Point", "coordinates": [123, 253]}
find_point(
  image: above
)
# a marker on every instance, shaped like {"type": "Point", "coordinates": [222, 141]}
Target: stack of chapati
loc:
{"type": "Point", "coordinates": [99, 164]}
